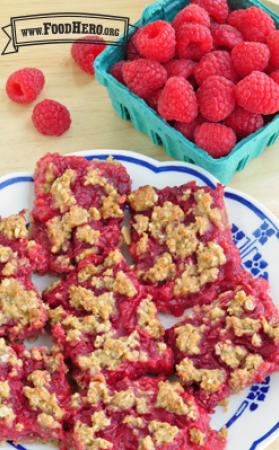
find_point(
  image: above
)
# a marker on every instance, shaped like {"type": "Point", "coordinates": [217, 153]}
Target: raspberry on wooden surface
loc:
{"type": "Point", "coordinates": [51, 118]}
{"type": "Point", "coordinates": [85, 50]}
{"type": "Point", "coordinates": [215, 138]}
{"type": "Point", "coordinates": [193, 41]}
{"type": "Point", "coordinates": [193, 14]}
{"type": "Point", "coordinates": [258, 93]}
{"type": "Point", "coordinates": [24, 85]}
{"type": "Point", "coordinates": [250, 56]}
{"type": "Point", "coordinates": [156, 41]}
{"type": "Point", "coordinates": [216, 98]}
{"type": "Point", "coordinates": [144, 76]}
{"type": "Point", "coordinates": [178, 101]}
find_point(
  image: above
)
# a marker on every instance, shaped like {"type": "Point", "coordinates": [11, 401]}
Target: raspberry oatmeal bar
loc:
{"type": "Point", "coordinates": [78, 207]}
{"type": "Point", "coordinates": [228, 345]}
{"type": "Point", "coordinates": [181, 243]}
{"type": "Point", "coordinates": [106, 322]}
{"type": "Point", "coordinates": [22, 313]}
{"type": "Point", "coordinates": [146, 414]}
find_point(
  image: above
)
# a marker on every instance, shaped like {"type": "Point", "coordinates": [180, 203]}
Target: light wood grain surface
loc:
{"type": "Point", "coordinates": [94, 124]}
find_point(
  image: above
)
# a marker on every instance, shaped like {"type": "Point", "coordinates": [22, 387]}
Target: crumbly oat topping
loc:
{"type": "Point", "coordinates": [87, 272]}
{"type": "Point", "coordinates": [93, 177]}
{"type": "Point", "coordinates": [87, 438]}
{"type": "Point", "coordinates": [123, 400]}
{"type": "Point", "coordinates": [123, 285]}
{"type": "Point", "coordinates": [210, 380]}
{"type": "Point", "coordinates": [4, 390]}
{"type": "Point", "coordinates": [146, 444]}
{"type": "Point", "coordinates": [77, 326]}
{"type": "Point", "coordinates": [272, 330]}
{"type": "Point", "coordinates": [19, 304]}
{"type": "Point", "coordinates": [6, 253]}
{"type": "Point", "coordinates": [142, 199]}
{"type": "Point", "coordinates": [181, 240]}
{"type": "Point", "coordinates": [14, 227]}
{"type": "Point", "coordinates": [126, 235]}
{"type": "Point", "coordinates": [88, 235]}
{"type": "Point", "coordinates": [142, 244]}
{"type": "Point", "coordinates": [42, 400]}
{"type": "Point", "coordinates": [61, 192]}
{"type": "Point", "coordinates": [148, 320]}
{"type": "Point", "coordinates": [163, 269]}
{"type": "Point", "coordinates": [243, 327]}
{"type": "Point", "coordinates": [110, 208]}
{"type": "Point", "coordinates": [141, 223]}
{"type": "Point", "coordinates": [163, 432]}
{"type": "Point", "coordinates": [6, 411]}
{"type": "Point", "coordinates": [100, 421]}
{"type": "Point", "coordinates": [203, 208]}
{"type": "Point", "coordinates": [47, 421]}
{"type": "Point", "coordinates": [134, 422]}
{"type": "Point", "coordinates": [169, 398]}
{"type": "Point", "coordinates": [241, 303]}
{"type": "Point", "coordinates": [197, 437]}
{"type": "Point", "coordinates": [115, 257]}
{"type": "Point", "coordinates": [94, 213]}
{"type": "Point", "coordinates": [240, 378]}
{"type": "Point", "coordinates": [49, 178]}
{"type": "Point", "coordinates": [189, 338]}
{"type": "Point", "coordinates": [231, 355]}
{"type": "Point", "coordinates": [102, 306]}
{"type": "Point", "coordinates": [162, 216]}
{"type": "Point", "coordinates": [7, 355]}
{"type": "Point", "coordinates": [98, 391]}
{"type": "Point", "coordinates": [40, 378]}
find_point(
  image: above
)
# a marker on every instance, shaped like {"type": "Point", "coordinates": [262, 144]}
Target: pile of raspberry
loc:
{"type": "Point", "coordinates": [211, 73]}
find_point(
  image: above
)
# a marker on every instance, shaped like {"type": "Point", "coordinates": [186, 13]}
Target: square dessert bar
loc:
{"type": "Point", "coordinates": [181, 243]}
{"type": "Point", "coordinates": [22, 312]}
{"type": "Point", "coordinates": [146, 414]}
{"type": "Point", "coordinates": [228, 345]}
{"type": "Point", "coordinates": [105, 322]}
{"type": "Point", "coordinates": [35, 396]}
{"type": "Point", "coordinates": [78, 208]}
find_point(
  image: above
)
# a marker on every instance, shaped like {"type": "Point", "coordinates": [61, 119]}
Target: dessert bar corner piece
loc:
{"type": "Point", "coordinates": [22, 312]}
{"type": "Point", "coordinates": [146, 414]}
{"type": "Point", "coordinates": [181, 243]}
{"type": "Point", "coordinates": [106, 323]}
{"type": "Point", "coordinates": [79, 205]}
{"type": "Point", "coordinates": [228, 345]}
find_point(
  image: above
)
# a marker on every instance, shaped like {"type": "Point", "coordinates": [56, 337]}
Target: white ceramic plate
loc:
{"type": "Point", "coordinates": [253, 415]}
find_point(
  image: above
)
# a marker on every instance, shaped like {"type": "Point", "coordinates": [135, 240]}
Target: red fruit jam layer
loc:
{"type": "Point", "coordinates": [78, 207]}
{"type": "Point", "coordinates": [105, 321]}
{"type": "Point", "coordinates": [228, 345]}
{"type": "Point", "coordinates": [147, 414]}
{"type": "Point", "coordinates": [181, 243]}
{"type": "Point", "coordinates": [22, 313]}
{"type": "Point", "coordinates": [34, 395]}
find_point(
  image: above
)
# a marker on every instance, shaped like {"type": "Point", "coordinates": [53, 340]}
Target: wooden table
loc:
{"type": "Point", "coordinates": [94, 124]}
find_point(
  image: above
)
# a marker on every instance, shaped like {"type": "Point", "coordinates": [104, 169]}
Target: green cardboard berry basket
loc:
{"type": "Point", "coordinates": [130, 107]}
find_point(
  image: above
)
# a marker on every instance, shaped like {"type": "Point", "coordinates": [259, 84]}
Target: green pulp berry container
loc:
{"type": "Point", "coordinates": [130, 107]}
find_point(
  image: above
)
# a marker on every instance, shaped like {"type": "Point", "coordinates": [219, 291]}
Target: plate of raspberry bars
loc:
{"type": "Point", "coordinates": [137, 308]}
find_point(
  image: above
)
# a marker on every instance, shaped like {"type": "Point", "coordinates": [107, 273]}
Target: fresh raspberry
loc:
{"type": "Point", "coordinates": [193, 14]}
{"type": "Point", "coordinates": [272, 41]}
{"type": "Point", "coordinates": [144, 76]}
{"type": "Point", "coordinates": [217, 9]}
{"type": "Point", "coordinates": [180, 68]}
{"type": "Point", "coordinates": [178, 101]}
{"type": "Point", "coordinates": [235, 18]}
{"type": "Point", "coordinates": [258, 93]}
{"type": "Point", "coordinates": [132, 51]}
{"type": "Point", "coordinates": [275, 76]}
{"type": "Point", "coordinates": [255, 24]}
{"type": "Point", "coordinates": [215, 138]}
{"type": "Point", "coordinates": [24, 85]}
{"type": "Point", "coordinates": [215, 63]}
{"type": "Point", "coordinates": [249, 56]}
{"type": "Point", "coordinates": [84, 54]}
{"type": "Point", "coordinates": [192, 41]}
{"type": "Point", "coordinates": [116, 71]}
{"type": "Point", "coordinates": [216, 98]}
{"type": "Point", "coordinates": [225, 36]}
{"type": "Point", "coordinates": [152, 101]}
{"type": "Point", "coordinates": [51, 118]}
{"type": "Point", "coordinates": [156, 41]}
{"type": "Point", "coordinates": [243, 122]}
{"type": "Point", "coordinates": [187, 129]}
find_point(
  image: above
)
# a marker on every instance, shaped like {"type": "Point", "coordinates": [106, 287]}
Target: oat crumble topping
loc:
{"type": "Point", "coordinates": [14, 227]}
{"type": "Point", "coordinates": [148, 320]}
{"type": "Point", "coordinates": [189, 338]}
{"type": "Point", "coordinates": [142, 199]}
{"type": "Point", "coordinates": [61, 192]}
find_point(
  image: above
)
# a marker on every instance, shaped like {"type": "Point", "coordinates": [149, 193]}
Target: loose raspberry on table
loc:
{"type": "Point", "coordinates": [217, 9]}
{"type": "Point", "coordinates": [250, 56]}
{"type": "Point", "coordinates": [191, 13]}
{"type": "Point", "coordinates": [193, 41]}
{"type": "Point", "coordinates": [275, 76]}
{"type": "Point", "coordinates": [187, 129]}
{"type": "Point", "coordinates": [258, 93]}
{"type": "Point", "coordinates": [273, 44]}
{"type": "Point", "coordinates": [225, 36]}
{"type": "Point", "coordinates": [156, 41]}
{"type": "Point", "coordinates": [51, 118]}
{"type": "Point", "coordinates": [215, 138]}
{"type": "Point", "coordinates": [244, 122]}
{"type": "Point", "coordinates": [218, 62]}
{"type": "Point", "coordinates": [216, 98]}
{"type": "Point", "coordinates": [116, 71]}
{"type": "Point", "coordinates": [144, 76]}
{"type": "Point", "coordinates": [255, 24]}
{"type": "Point", "coordinates": [178, 101]}
{"type": "Point", "coordinates": [24, 85]}
{"type": "Point", "coordinates": [235, 18]}
{"type": "Point", "coordinates": [84, 51]}
{"type": "Point", "coordinates": [180, 68]}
